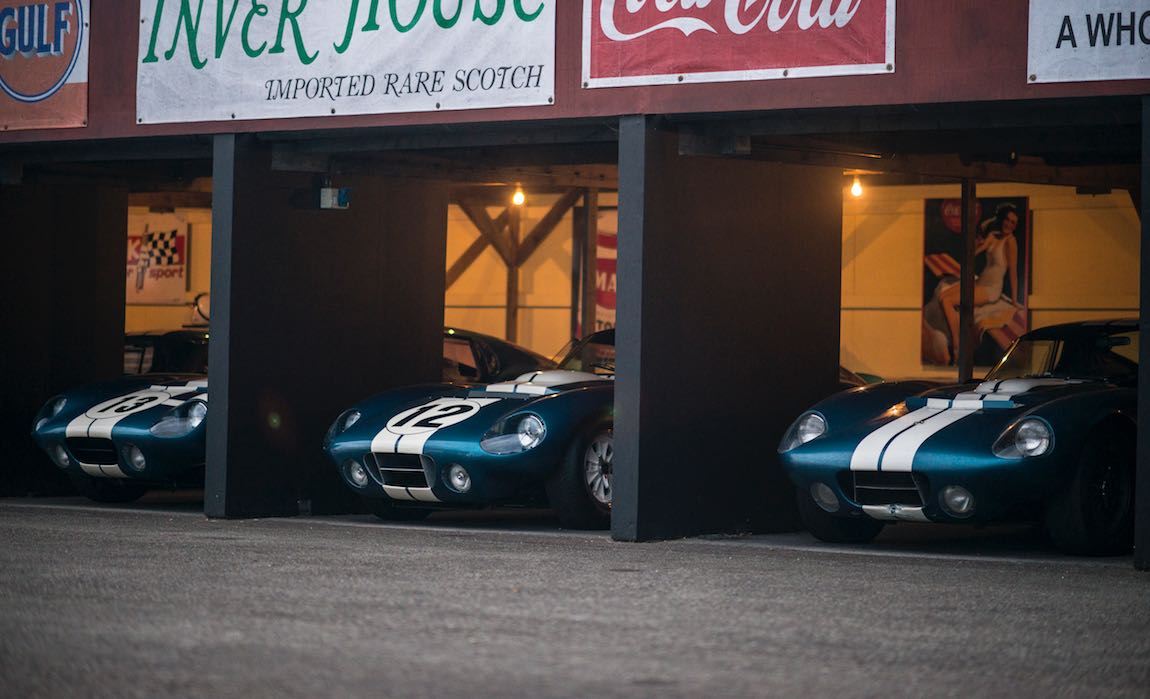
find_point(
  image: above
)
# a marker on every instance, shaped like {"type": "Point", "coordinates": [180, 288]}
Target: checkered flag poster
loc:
{"type": "Point", "coordinates": [157, 270]}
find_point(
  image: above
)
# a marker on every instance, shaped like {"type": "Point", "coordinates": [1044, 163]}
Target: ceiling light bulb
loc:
{"type": "Point", "coordinates": [519, 197]}
{"type": "Point", "coordinates": [856, 188]}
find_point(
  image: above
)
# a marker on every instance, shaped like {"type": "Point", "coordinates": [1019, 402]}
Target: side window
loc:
{"type": "Point", "coordinates": [458, 360]}
{"type": "Point", "coordinates": [137, 359]}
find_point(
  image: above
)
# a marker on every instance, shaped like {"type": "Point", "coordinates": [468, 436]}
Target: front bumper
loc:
{"type": "Point", "coordinates": [177, 460]}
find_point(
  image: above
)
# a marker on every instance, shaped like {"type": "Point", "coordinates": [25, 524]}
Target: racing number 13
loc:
{"type": "Point", "coordinates": [129, 404]}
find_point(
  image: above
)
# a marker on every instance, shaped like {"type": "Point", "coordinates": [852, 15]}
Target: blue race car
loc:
{"type": "Point", "coordinates": [118, 439]}
{"type": "Point", "coordinates": [1049, 434]}
{"type": "Point", "coordinates": [545, 437]}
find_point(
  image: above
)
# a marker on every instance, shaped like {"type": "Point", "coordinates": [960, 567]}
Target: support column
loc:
{"type": "Point", "coordinates": [311, 311]}
{"type": "Point", "coordinates": [1142, 477]}
{"type": "Point", "coordinates": [62, 301]}
{"type": "Point", "coordinates": [728, 328]}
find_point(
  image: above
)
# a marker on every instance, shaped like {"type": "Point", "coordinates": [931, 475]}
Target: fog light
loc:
{"type": "Point", "coordinates": [957, 500]}
{"type": "Point", "coordinates": [824, 497]}
{"type": "Point", "coordinates": [60, 456]}
{"type": "Point", "coordinates": [135, 457]}
{"type": "Point", "coordinates": [356, 473]}
{"type": "Point", "coordinates": [458, 479]}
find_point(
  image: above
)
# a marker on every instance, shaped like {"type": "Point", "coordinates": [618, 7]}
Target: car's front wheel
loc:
{"type": "Point", "coordinates": [1094, 514]}
{"type": "Point", "coordinates": [580, 490]}
{"type": "Point", "coordinates": [110, 490]}
{"type": "Point", "coordinates": [832, 529]}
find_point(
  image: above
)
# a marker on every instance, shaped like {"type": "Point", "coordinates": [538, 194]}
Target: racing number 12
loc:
{"type": "Point", "coordinates": [435, 421]}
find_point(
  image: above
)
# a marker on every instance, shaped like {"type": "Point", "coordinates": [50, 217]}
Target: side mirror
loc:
{"type": "Point", "coordinates": [468, 372]}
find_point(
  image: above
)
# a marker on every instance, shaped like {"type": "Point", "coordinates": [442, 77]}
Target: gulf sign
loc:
{"type": "Point", "coordinates": [43, 63]}
{"type": "Point", "coordinates": [652, 42]}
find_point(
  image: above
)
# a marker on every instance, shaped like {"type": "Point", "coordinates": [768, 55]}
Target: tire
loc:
{"type": "Point", "coordinates": [110, 490]}
{"type": "Point", "coordinates": [1094, 514]}
{"type": "Point", "coordinates": [580, 490]}
{"type": "Point", "coordinates": [833, 529]}
{"type": "Point", "coordinates": [390, 513]}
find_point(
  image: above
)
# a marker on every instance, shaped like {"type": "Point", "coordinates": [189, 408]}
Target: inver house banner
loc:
{"type": "Point", "coordinates": [211, 60]}
{"type": "Point", "coordinates": [43, 64]}
{"type": "Point", "coordinates": [648, 42]}
{"type": "Point", "coordinates": [1079, 40]}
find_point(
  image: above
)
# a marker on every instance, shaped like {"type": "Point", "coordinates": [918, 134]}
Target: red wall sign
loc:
{"type": "Point", "coordinates": [646, 42]}
{"type": "Point", "coordinates": [43, 64]}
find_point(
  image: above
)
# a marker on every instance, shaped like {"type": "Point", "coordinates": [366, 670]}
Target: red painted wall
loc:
{"type": "Point", "coordinates": [946, 51]}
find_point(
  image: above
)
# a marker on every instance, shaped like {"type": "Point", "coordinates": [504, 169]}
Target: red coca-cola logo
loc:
{"type": "Point", "coordinates": [726, 39]}
{"type": "Point", "coordinates": [39, 46]}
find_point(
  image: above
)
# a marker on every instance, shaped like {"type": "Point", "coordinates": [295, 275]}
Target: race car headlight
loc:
{"type": "Point", "coordinates": [809, 426]}
{"type": "Point", "coordinates": [343, 422]}
{"type": "Point", "coordinates": [1031, 436]}
{"type": "Point", "coordinates": [527, 432]}
{"type": "Point", "coordinates": [134, 457]}
{"type": "Point", "coordinates": [50, 410]}
{"type": "Point", "coordinates": [181, 420]}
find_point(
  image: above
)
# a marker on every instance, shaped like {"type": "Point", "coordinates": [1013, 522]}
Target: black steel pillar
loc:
{"type": "Point", "coordinates": [1142, 477]}
{"type": "Point", "coordinates": [728, 328]}
{"type": "Point", "coordinates": [966, 284]}
{"type": "Point", "coordinates": [311, 310]}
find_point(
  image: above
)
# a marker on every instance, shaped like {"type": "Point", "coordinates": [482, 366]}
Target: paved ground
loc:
{"type": "Point", "coordinates": [157, 601]}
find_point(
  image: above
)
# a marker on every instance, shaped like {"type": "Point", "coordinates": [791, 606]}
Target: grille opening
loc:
{"type": "Point", "coordinates": [400, 470]}
{"type": "Point", "coordinates": [92, 450]}
{"type": "Point", "coordinates": [887, 488]}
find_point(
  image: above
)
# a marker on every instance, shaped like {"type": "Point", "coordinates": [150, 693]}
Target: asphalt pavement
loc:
{"type": "Point", "coordinates": [157, 601]}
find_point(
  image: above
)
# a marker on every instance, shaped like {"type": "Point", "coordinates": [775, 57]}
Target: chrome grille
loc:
{"type": "Point", "coordinates": [887, 488]}
{"type": "Point", "coordinates": [400, 470]}
{"type": "Point", "coordinates": [91, 450]}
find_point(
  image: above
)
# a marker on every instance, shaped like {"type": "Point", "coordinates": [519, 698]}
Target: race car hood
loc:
{"type": "Point", "coordinates": [545, 382]}
{"type": "Point", "coordinates": [1009, 393]}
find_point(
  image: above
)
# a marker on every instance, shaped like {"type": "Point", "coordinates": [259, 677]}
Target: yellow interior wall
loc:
{"type": "Point", "coordinates": [145, 317]}
{"type": "Point", "coordinates": [477, 300]}
{"type": "Point", "coordinates": [1084, 265]}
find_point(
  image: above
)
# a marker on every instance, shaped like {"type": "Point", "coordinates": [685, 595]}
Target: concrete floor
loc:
{"type": "Point", "coordinates": [156, 601]}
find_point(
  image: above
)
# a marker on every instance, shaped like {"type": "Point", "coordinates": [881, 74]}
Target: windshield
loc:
{"type": "Point", "coordinates": [1080, 356]}
{"type": "Point", "coordinates": [594, 354]}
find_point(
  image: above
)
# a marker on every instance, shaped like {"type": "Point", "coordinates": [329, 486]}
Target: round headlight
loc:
{"type": "Point", "coordinates": [60, 456]}
{"type": "Point", "coordinates": [531, 431]}
{"type": "Point", "coordinates": [458, 479]}
{"type": "Point", "coordinates": [57, 406]}
{"type": "Point", "coordinates": [197, 413]}
{"type": "Point", "coordinates": [807, 427]}
{"type": "Point", "coordinates": [40, 423]}
{"type": "Point", "coordinates": [1032, 437]}
{"type": "Point", "coordinates": [957, 500]}
{"type": "Point", "coordinates": [356, 473]}
{"type": "Point", "coordinates": [135, 457]}
{"type": "Point", "coordinates": [824, 497]}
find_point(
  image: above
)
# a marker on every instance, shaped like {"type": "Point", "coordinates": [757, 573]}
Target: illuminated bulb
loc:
{"type": "Point", "coordinates": [856, 188]}
{"type": "Point", "coordinates": [519, 197]}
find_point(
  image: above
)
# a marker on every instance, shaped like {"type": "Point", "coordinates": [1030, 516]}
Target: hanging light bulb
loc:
{"type": "Point", "coordinates": [856, 188]}
{"type": "Point", "coordinates": [519, 197]}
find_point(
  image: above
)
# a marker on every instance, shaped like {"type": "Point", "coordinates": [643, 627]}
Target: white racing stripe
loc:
{"type": "Point", "coordinates": [866, 454]}
{"type": "Point", "coordinates": [900, 452]}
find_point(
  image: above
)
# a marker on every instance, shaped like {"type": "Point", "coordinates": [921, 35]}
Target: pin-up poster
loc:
{"type": "Point", "coordinates": [158, 256]}
{"type": "Point", "coordinates": [43, 64]}
{"type": "Point", "coordinates": [1001, 284]}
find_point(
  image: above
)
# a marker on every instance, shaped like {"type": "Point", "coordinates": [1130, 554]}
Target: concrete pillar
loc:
{"type": "Point", "coordinates": [728, 328]}
{"type": "Point", "coordinates": [1142, 477]}
{"type": "Point", "coordinates": [311, 311]}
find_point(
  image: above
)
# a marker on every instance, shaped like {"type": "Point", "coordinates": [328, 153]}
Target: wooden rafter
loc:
{"type": "Point", "coordinates": [496, 236]}
{"type": "Point", "coordinates": [541, 230]}
{"type": "Point", "coordinates": [469, 256]}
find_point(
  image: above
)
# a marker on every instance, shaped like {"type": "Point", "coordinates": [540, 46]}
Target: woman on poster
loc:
{"type": "Point", "coordinates": [996, 239]}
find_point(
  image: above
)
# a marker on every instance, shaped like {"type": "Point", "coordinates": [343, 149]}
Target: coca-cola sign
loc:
{"type": "Point", "coordinates": [646, 42]}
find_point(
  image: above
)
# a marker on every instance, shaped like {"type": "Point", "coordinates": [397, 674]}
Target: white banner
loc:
{"type": "Point", "coordinates": [1079, 40]}
{"type": "Point", "coordinates": [220, 60]}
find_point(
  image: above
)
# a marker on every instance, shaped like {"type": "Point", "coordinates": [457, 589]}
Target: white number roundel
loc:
{"type": "Point", "coordinates": [127, 405]}
{"type": "Point", "coordinates": [433, 416]}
